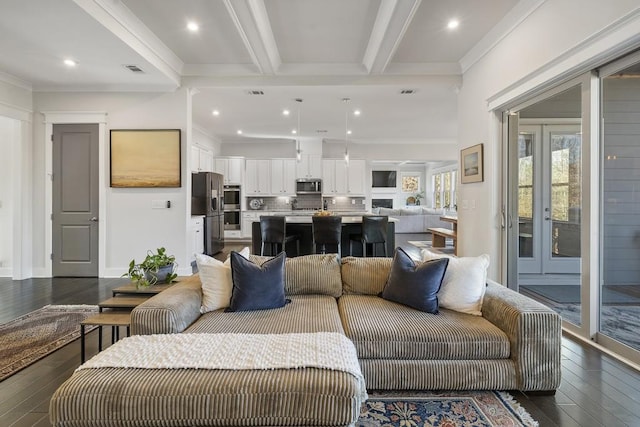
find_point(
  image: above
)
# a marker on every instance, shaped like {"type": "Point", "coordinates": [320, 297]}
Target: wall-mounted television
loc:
{"type": "Point", "coordinates": [383, 179]}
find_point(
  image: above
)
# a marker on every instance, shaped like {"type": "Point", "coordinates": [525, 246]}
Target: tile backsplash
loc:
{"type": "Point", "coordinates": [350, 204]}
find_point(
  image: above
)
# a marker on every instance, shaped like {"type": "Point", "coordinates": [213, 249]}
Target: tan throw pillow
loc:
{"type": "Point", "coordinates": [216, 281]}
{"type": "Point", "coordinates": [464, 283]}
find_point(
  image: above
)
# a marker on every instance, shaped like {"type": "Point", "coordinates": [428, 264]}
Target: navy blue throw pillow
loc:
{"type": "Point", "coordinates": [414, 285]}
{"type": "Point", "coordinates": [256, 287]}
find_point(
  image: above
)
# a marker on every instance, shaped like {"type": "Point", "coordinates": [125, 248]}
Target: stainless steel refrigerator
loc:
{"type": "Point", "coordinates": [207, 198]}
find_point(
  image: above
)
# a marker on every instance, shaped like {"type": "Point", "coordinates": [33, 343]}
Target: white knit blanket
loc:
{"type": "Point", "coordinates": [324, 350]}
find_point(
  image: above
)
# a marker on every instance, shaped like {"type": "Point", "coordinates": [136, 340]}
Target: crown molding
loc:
{"type": "Point", "coordinates": [15, 81]}
{"type": "Point", "coordinates": [606, 45]}
{"type": "Point", "coordinates": [501, 30]}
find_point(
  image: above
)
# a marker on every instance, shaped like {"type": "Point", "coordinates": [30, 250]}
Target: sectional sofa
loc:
{"type": "Point", "coordinates": [415, 220]}
{"type": "Point", "coordinates": [513, 345]}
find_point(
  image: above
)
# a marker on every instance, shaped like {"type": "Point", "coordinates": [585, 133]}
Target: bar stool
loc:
{"type": "Point", "coordinates": [374, 231]}
{"type": "Point", "coordinates": [274, 232]}
{"type": "Point", "coordinates": [326, 230]}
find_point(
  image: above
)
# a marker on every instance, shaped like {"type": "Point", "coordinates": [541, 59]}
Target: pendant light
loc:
{"type": "Point", "coordinates": [298, 151]}
{"type": "Point", "coordinates": [346, 129]}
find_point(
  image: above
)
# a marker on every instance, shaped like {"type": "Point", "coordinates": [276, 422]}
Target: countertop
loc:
{"type": "Point", "coordinates": [346, 219]}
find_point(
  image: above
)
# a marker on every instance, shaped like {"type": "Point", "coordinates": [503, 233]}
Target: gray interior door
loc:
{"type": "Point", "coordinates": [75, 200]}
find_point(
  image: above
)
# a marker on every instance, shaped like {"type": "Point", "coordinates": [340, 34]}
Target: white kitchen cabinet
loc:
{"type": "Point", "coordinates": [309, 166]}
{"type": "Point", "coordinates": [258, 177]}
{"type": "Point", "coordinates": [356, 178]}
{"type": "Point", "coordinates": [197, 236]}
{"type": "Point", "coordinates": [248, 218]}
{"type": "Point", "coordinates": [334, 177]}
{"type": "Point", "coordinates": [231, 168]}
{"type": "Point", "coordinates": [201, 159]}
{"type": "Point", "coordinates": [283, 177]}
{"type": "Point", "coordinates": [340, 179]}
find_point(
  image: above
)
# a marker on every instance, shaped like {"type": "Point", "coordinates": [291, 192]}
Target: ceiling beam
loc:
{"type": "Point", "coordinates": [252, 22]}
{"type": "Point", "coordinates": [391, 24]}
{"type": "Point", "coordinates": [118, 19]}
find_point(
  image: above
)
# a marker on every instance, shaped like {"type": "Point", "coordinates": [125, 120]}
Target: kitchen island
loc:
{"type": "Point", "coordinates": [301, 225]}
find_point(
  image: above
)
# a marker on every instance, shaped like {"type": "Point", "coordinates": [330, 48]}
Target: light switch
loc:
{"type": "Point", "coordinates": [160, 204]}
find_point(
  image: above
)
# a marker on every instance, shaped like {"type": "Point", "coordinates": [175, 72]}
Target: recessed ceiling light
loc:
{"type": "Point", "coordinates": [239, 131]}
{"type": "Point", "coordinates": [285, 112]}
{"type": "Point", "coordinates": [348, 132]}
{"type": "Point", "coordinates": [70, 63]}
{"type": "Point", "coordinates": [193, 26]}
{"type": "Point", "coordinates": [293, 131]}
{"type": "Point", "coordinates": [356, 113]}
{"type": "Point", "coordinates": [215, 112]}
{"type": "Point", "coordinates": [453, 24]}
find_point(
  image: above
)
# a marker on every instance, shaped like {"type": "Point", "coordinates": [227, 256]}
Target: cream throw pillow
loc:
{"type": "Point", "coordinates": [215, 277]}
{"type": "Point", "coordinates": [464, 283]}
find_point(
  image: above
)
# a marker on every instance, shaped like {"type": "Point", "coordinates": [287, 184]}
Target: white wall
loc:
{"type": "Point", "coordinates": [132, 226]}
{"type": "Point", "coordinates": [537, 44]}
{"type": "Point", "coordinates": [7, 139]}
{"type": "Point", "coordinates": [204, 140]}
{"type": "Point", "coordinates": [260, 149]}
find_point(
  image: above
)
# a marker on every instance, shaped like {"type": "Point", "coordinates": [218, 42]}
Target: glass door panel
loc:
{"type": "Point", "coordinates": [562, 211]}
{"type": "Point", "coordinates": [619, 309]}
{"type": "Point", "coordinates": [528, 188]}
{"type": "Point", "coordinates": [549, 197]}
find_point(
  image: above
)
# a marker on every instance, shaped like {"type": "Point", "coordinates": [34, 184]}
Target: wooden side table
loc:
{"type": "Point", "coordinates": [132, 289]}
{"type": "Point", "coordinates": [126, 301]}
{"type": "Point", "coordinates": [115, 319]}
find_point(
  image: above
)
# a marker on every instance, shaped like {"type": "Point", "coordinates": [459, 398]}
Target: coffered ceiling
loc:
{"type": "Point", "coordinates": [319, 50]}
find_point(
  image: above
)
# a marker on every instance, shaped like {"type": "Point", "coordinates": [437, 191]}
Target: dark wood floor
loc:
{"type": "Point", "coordinates": [596, 389]}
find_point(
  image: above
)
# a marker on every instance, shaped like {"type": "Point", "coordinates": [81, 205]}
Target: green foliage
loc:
{"type": "Point", "coordinates": [146, 273]}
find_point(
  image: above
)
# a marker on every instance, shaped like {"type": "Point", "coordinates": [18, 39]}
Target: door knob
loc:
{"type": "Point", "coordinates": [93, 219]}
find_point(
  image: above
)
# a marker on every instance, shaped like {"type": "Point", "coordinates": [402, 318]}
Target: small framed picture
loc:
{"type": "Point", "coordinates": [471, 164]}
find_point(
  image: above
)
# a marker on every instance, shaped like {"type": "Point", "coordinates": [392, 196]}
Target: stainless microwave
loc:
{"type": "Point", "coordinates": [309, 186]}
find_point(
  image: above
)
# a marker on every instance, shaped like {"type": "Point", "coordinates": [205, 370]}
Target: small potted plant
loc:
{"type": "Point", "coordinates": [157, 267]}
{"type": "Point", "coordinates": [418, 196]}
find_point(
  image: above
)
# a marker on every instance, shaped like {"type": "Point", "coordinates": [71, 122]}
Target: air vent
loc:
{"type": "Point", "coordinates": [407, 91]}
{"type": "Point", "coordinates": [256, 92]}
{"type": "Point", "coordinates": [322, 131]}
{"type": "Point", "coordinates": [134, 68]}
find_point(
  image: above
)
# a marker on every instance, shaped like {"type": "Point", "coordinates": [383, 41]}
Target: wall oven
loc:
{"type": "Point", "coordinates": [232, 196]}
{"type": "Point", "coordinates": [232, 207]}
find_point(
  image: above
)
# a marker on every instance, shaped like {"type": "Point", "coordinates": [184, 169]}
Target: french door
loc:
{"type": "Point", "coordinates": [549, 197]}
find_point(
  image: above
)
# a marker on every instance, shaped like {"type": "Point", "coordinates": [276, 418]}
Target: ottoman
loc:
{"type": "Point", "coordinates": [216, 380]}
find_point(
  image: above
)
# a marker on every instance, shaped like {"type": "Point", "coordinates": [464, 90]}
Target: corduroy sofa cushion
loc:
{"type": "Point", "coordinates": [304, 314]}
{"type": "Point", "coordinates": [310, 274]}
{"type": "Point", "coordinates": [365, 276]}
{"type": "Point", "coordinates": [383, 329]}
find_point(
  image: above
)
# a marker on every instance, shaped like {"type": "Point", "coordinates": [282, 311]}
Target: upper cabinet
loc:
{"type": "Point", "coordinates": [231, 168]}
{"type": "Point", "coordinates": [356, 176]}
{"type": "Point", "coordinates": [283, 177]}
{"type": "Point", "coordinates": [258, 177]}
{"type": "Point", "coordinates": [340, 179]}
{"type": "Point", "coordinates": [201, 159]}
{"type": "Point", "coordinates": [309, 166]}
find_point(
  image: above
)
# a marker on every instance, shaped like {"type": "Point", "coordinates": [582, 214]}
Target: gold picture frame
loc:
{"type": "Point", "coordinates": [472, 164]}
{"type": "Point", "coordinates": [145, 158]}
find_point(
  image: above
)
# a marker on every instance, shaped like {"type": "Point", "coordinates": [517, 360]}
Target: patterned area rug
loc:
{"type": "Point", "coordinates": [450, 409]}
{"type": "Point", "coordinates": [31, 337]}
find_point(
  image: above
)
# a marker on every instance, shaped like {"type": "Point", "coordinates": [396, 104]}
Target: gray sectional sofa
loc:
{"type": "Point", "coordinates": [515, 344]}
{"type": "Point", "coordinates": [415, 220]}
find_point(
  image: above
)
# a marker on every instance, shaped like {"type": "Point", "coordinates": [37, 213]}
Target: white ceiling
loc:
{"type": "Point", "coordinates": [317, 50]}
